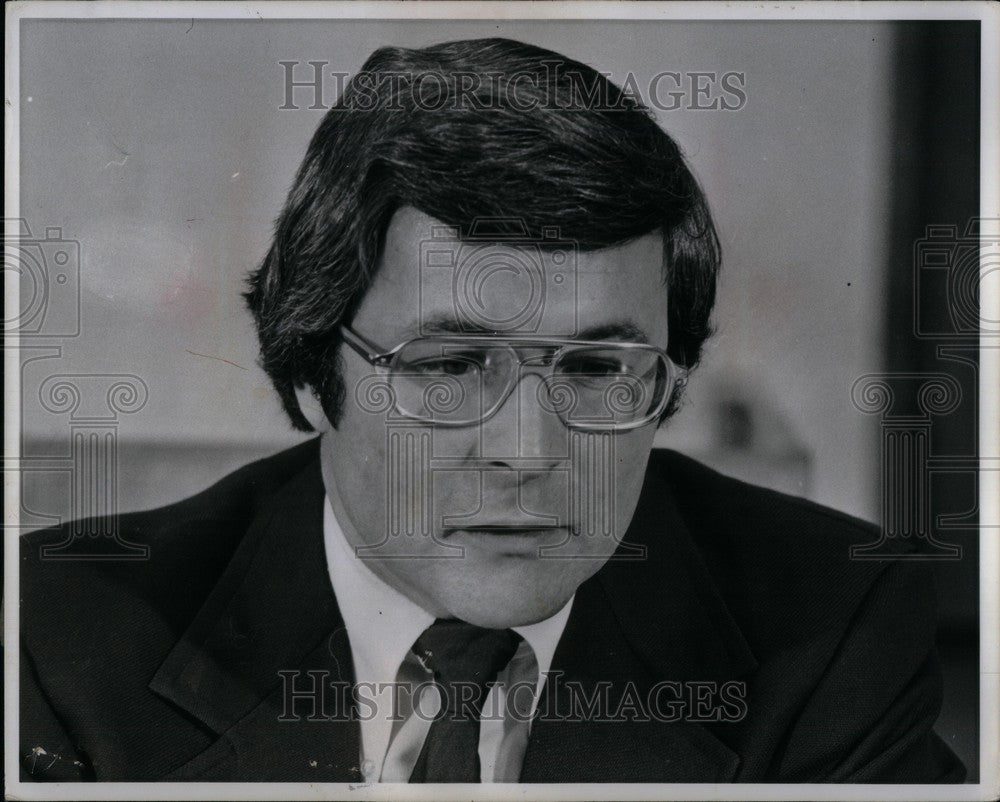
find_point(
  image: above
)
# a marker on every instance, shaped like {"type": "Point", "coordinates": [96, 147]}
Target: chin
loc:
{"type": "Point", "coordinates": [498, 592]}
{"type": "Point", "coordinates": [494, 618]}
{"type": "Point", "coordinates": [504, 608]}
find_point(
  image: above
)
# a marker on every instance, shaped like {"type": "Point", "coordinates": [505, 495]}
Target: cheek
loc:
{"type": "Point", "coordinates": [632, 455]}
{"type": "Point", "coordinates": [356, 457]}
{"type": "Point", "coordinates": [361, 440]}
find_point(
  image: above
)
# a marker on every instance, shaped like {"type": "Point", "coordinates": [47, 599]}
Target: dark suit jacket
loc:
{"type": "Point", "coordinates": [166, 669]}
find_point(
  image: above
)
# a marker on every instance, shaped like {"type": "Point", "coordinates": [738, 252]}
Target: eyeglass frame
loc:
{"type": "Point", "coordinates": [378, 357]}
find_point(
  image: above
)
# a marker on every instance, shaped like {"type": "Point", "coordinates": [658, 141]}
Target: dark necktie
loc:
{"type": "Point", "coordinates": [465, 659]}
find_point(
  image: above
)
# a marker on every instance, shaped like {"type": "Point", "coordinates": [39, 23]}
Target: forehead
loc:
{"type": "Point", "coordinates": [516, 286]}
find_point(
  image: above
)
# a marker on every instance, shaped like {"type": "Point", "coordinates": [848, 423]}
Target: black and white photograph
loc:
{"type": "Point", "coordinates": [501, 401]}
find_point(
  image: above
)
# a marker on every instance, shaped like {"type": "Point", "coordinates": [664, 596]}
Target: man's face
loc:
{"type": "Point", "coordinates": [499, 521]}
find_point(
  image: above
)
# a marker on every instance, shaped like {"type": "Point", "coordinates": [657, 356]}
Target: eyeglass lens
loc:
{"type": "Point", "coordinates": [460, 383]}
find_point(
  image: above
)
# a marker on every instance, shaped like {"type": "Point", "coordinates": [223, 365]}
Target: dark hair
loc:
{"type": "Point", "coordinates": [487, 128]}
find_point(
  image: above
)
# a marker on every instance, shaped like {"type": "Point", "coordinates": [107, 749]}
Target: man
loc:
{"type": "Point", "coordinates": [490, 281]}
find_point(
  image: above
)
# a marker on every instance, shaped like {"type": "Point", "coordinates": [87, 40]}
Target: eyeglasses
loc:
{"type": "Point", "coordinates": [452, 380]}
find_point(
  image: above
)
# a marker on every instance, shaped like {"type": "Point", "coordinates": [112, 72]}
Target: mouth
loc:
{"type": "Point", "coordinates": [508, 538]}
{"type": "Point", "coordinates": [505, 528]}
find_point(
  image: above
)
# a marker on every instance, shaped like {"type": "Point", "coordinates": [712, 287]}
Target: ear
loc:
{"type": "Point", "coordinates": [312, 409]}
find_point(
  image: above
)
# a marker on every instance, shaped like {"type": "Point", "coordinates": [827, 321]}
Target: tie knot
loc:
{"type": "Point", "coordinates": [458, 652]}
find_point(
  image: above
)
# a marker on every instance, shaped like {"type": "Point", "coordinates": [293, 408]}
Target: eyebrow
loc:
{"type": "Point", "coordinates": [624, 330]}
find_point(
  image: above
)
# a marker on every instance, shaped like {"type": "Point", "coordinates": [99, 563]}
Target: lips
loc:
{"type": "Point", "coordinates": [506, 529]}
{"type": "Point", "coordinates": [509, 540]}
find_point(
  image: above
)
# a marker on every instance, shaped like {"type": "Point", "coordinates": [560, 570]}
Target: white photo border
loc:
{"type": "Point", "coordinates": [989, 414]}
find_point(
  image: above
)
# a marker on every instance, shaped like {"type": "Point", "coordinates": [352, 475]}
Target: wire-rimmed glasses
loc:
{"type": "Point", "coordinates": [460, 380]}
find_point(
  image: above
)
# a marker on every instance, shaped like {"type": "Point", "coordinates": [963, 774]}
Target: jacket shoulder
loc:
{"type": "Point", "coordinates": [846, 667]}
{"type": "Point", "coordinates": [234, 497]}
{"type": "Point", "coordinates": [72, 574]}
{"type": "Point", "coordinates": [780, 520]}
{"type": "Point", "coordinates": [95, 629]}
{"type": "Point", "coordinates": [783, 564]}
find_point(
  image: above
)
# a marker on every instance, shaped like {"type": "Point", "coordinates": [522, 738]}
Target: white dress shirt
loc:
{"type": "Point", "coordinates": [382, 626]}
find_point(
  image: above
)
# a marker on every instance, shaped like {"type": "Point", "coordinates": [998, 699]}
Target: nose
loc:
{"type": "Point", "coordinates": [523, 433]}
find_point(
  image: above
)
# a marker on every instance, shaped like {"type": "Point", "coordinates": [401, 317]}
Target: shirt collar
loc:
{"type": "Point", "coordinates": [383, 624]}
{"type": "Point", "coordinates": [543, 637]}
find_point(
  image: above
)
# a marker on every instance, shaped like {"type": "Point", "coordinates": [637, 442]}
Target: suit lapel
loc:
{"type": "Point", "coordinates": [638, 622]}
{"type": "Point", "coordinates": [272, 611]}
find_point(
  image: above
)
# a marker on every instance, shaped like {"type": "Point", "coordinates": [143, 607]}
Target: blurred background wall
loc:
{"type": "Point", "coordinates": [161, 148]}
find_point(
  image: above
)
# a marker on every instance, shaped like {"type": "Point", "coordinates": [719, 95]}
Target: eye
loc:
{"type": "Point", "coordinates": [591, 365]}
{"type": "Point", "coordinates": [450, 365]}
